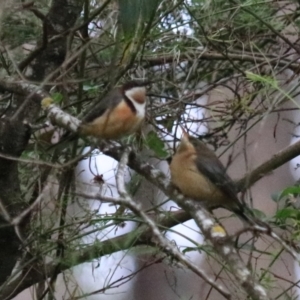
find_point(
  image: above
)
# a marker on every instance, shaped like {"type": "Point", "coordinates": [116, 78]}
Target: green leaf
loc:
{"type": "Point", "coordinates": [156, 144]}
{"type": "Point", "coordinates": [134, 184]}
{"type": "Point", "coordinates": [57, 97]}
{"type": "Point", "coordinates": [262, 79]}
{"type": "Point", "coordinates": [287, 213]}
{"type": "Point", "coordinates": [259, 213]}
{"type": "Point", "coordinates": [190, 249]}
{"type": "Point", "coordinates": [276, 196]}
{"type": "Point", "coordinates": [130, 12]}
{"type": "Point", "coordinates": [291, 190]}
{"type": "Point", "coordinates": [89, 87]}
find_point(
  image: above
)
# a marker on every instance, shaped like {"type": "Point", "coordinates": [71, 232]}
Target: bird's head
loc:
{"type": "Point", "coordinates": [185, 142]}
{"type": "Point", "coordinates": [192, 144]}
{"type": "Point", "coordinates": [135, 90]}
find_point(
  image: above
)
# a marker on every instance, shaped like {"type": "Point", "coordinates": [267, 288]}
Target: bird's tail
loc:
{"type": "Point", "coordinates": [247, 215]}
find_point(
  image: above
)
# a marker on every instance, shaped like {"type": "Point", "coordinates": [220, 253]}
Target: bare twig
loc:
{"type": "Point", "coordinates": [224, 247]}
{"type": "Point", "coordinates": [209, 55]}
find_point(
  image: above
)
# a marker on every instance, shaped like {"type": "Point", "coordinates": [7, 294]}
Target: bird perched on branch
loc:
{"type": "Point", "coordinates": [119, 113]}
{"type": "Point", "coordinates": [198, 173]}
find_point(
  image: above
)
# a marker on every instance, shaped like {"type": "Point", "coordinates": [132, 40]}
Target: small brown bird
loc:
{"type": "Point", "coordinates": [198, 173]}
{"type": "Point", "coordinates": [118, 114]}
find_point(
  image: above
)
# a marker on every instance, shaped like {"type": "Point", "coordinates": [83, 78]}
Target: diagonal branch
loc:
{"type": "Point", "coordinates": [164, 243]}
{"type": "Point", "coordinates": [268, 166]}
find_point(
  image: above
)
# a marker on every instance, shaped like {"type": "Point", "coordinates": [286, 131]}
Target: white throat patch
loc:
{"type": "Point", "coordinates": [140, 107]}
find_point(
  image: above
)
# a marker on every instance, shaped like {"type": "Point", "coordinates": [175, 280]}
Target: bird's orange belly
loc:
{"type": "Point", "coordinates": [114, 124]}
{"type": "Point", "coordinates": [194, 185]}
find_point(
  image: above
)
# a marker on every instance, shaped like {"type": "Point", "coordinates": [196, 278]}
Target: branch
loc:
{"type": "Point", "coordinates": [268, 166]}
{"type": "Point", "coordinates": [157, 177]}
{"type": "Point", "coordinates": [214, 233]}
{"type": "Point", "coordinates": [14, 129]}
{"type": "Point", "coordinates": [281, 36]}
{"type": "Point", "coordinates": [140, 236]}
{"type": "Point", "coordinates": [224, 247]}
{"type": "Point", "coordinates": [59, 117]}
{"type": "Point", "coordinates": [164, 243]}
{"type": "Point", "coordinates": [222, 244]}
{"type": "Point", "coordinates": [22, 88]}
{"type": "Point", "coordinates": [254, 58]}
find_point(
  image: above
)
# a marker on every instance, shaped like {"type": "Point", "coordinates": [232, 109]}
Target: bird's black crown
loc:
{"type": "Point", "coordinates": [134, 83]}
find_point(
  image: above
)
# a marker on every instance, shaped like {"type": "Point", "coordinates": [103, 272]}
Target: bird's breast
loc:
{"type": "Point", "coordinates": [191, 183]}
{"type": "Point", "coordinates": [114, 123]}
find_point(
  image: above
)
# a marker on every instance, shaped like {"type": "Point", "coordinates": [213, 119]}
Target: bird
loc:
{"type": "Point", "coordinates": [120, 113]}
{"type": "Point", "coordinates": [199, 175]}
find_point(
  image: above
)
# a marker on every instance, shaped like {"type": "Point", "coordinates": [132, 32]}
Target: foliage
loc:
{"type": "Point", "coordinates": [234, 52]}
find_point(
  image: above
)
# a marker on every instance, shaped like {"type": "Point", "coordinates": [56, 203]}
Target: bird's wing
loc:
{"type": "Point", "coordinates": [210, 166]}
{"type": "Point", "coordinates": [109, 101]}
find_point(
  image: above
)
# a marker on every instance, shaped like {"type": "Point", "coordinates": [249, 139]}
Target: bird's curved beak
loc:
{"type": "Point", "coordinates": [184, 141]}
{"type": "Point", "coordinates": [185, 135]}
